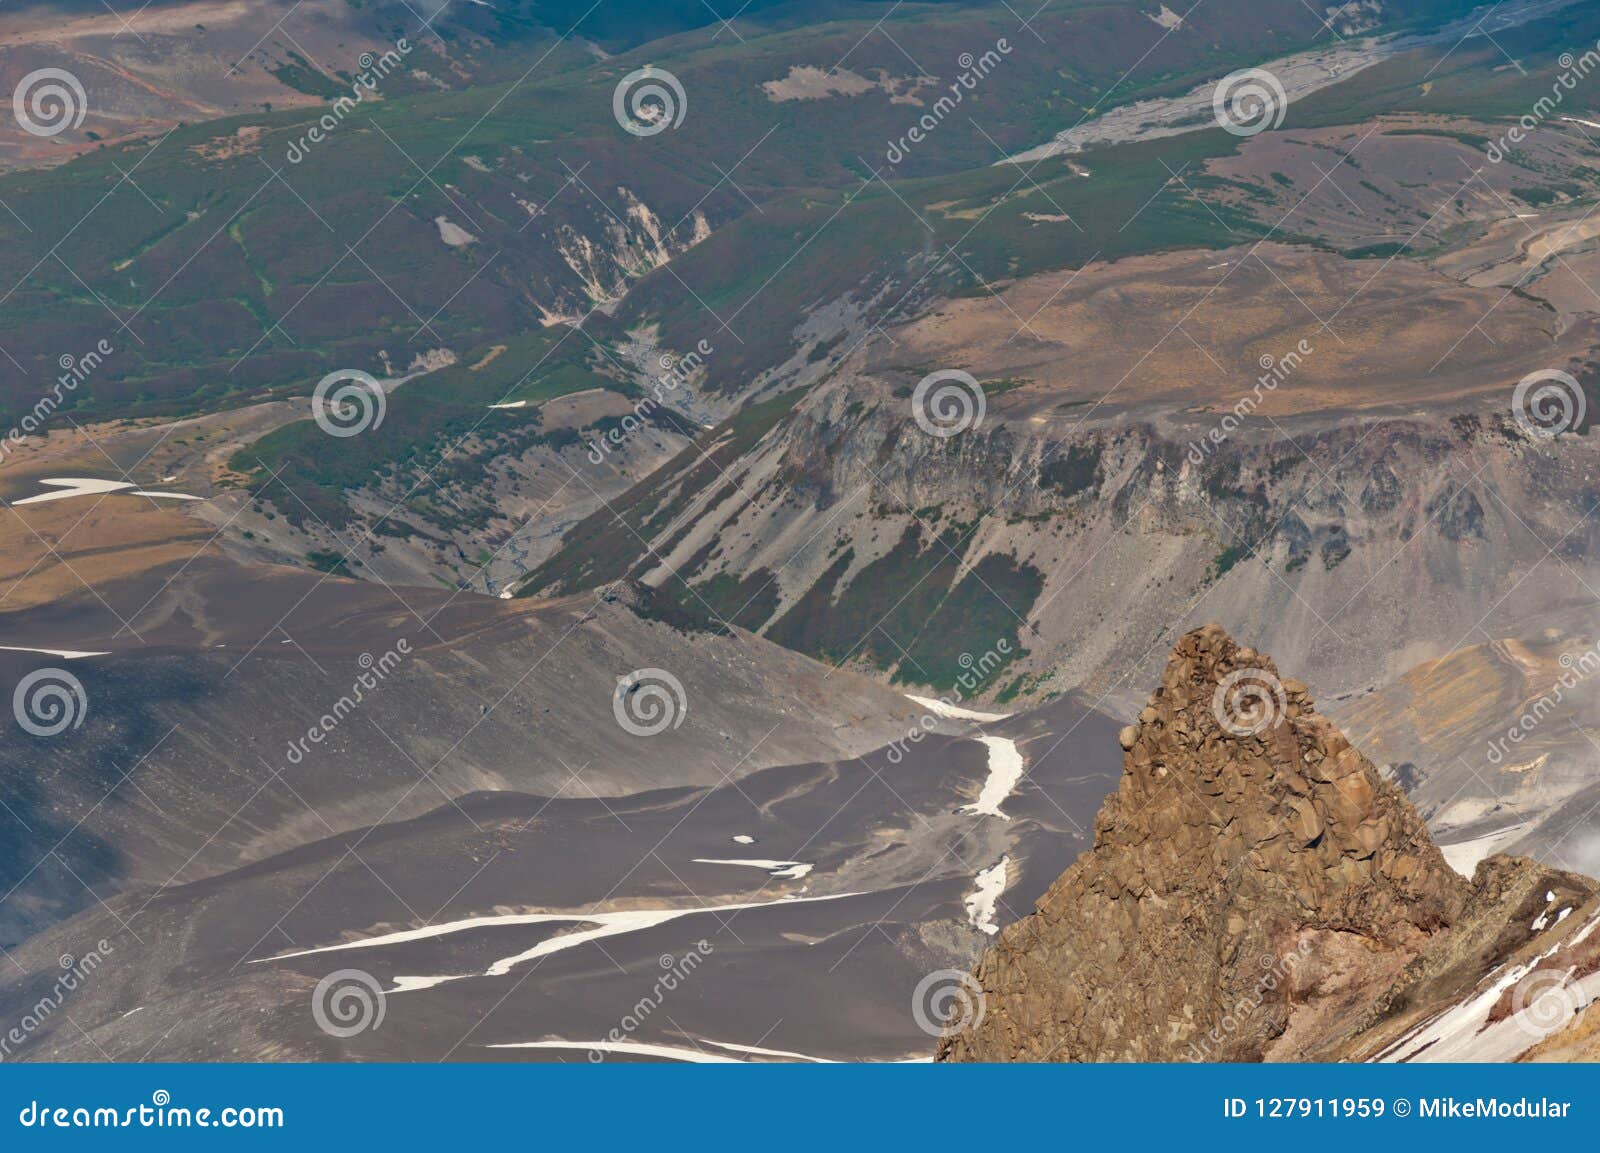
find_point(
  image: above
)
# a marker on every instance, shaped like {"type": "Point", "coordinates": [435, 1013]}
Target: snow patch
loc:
{"type": "Point", "coordinates": [1582, 934]}
{"type": "Point", "coordinates": [955, 712]}
{"type": "Point", "coordinates": [606, 925]}
{"type": "Point", "coordinates": [757, 1051]}
{"type": "Point", "coordinates": [991, 883]}
{"type": "Point", "coordinates": [794, 869]}
{"type": "Point", "coordinates": [1463, 856]}
{"type": "Point", "coordinates": [64, 654]}
{"type": "Point", "coordinates": [1005, 770]}
{"type": "Point", "coordinates": [72, 486]}
{"type": "Point", "coordinates": [636, 1048]}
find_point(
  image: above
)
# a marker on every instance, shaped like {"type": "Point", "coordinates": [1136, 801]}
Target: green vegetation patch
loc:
{"type": "Point", "coordinates": [423, 440]}
{"type": "Point", "coordinates": [907, 612]}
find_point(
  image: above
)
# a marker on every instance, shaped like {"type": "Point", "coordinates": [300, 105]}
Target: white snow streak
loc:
{"type": "Point", "coordinates": [981, 904]}
{"type": "Point", "coordinates": [1005, 770]}
{"type": "Point", "coordinates": [955, 712]}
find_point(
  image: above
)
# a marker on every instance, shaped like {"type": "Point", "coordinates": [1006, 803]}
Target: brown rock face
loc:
{"type": "Point", "coordinates": [1251, 866]}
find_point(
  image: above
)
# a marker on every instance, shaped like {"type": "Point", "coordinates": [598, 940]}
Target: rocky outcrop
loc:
{"type": "Point", "coordinates": [1256, 891]}
{"type": "Point", "coordinates": [1360, 525]}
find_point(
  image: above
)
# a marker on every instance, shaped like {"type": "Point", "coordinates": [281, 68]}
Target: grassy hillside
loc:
{"type": "Point", "coordinates": [223, 271]}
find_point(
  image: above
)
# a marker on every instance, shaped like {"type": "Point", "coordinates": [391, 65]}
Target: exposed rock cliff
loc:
{"type": "Point", "coordinates": [1258, 891]}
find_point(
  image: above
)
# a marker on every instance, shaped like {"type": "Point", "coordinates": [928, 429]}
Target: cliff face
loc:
{"type": "Point", "coordinates": [1374, 525]}
{"type": "Point", "coordinates": [1256, 890]}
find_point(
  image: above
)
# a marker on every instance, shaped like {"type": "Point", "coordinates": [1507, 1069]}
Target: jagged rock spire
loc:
{"type": "Point", "coordinates": [1248, 851]}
